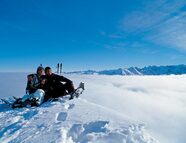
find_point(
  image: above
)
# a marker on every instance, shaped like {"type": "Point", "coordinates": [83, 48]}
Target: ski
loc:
{"type": "Point", "coordinates": [15, 98]}
{"type": "Point", "coordinates": [6, 102]}
{"type": "Point", "coordinates": [78, 91]}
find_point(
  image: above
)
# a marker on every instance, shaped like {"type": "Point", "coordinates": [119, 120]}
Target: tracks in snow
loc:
{"type": "Point", "coordinates": [68, 122]}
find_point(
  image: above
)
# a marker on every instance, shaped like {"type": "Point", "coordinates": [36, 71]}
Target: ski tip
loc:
{"type": "Point", "coordinates": [15, 97]}
{"type": "Point", "coordinates": [6, 102]}
{"type": "Point", "coordinates": [82, 85]}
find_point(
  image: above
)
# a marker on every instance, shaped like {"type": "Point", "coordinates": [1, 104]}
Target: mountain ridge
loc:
{"type": "Point", "coordinates": [147, 70]}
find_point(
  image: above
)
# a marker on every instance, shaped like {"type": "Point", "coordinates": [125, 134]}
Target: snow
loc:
{"type": "Point", "coordinates": [112, 109]}
{"type": "Point", "coordinates": [149, 70]}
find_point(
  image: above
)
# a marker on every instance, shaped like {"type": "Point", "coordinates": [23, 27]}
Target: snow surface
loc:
{"type": "Point", "coordinates": [113, 109]}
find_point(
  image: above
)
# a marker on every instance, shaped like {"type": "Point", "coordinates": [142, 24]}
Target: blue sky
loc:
{"type": "Point", "coordinates": [91, 34]}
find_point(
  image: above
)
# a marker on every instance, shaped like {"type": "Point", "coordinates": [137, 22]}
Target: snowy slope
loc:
{"type": "Point", "coordinates": [150, 70]}
{"type": "Point", "coordinates": [70, 122]}
{"type": "Point", "coordinates": [113, 109]}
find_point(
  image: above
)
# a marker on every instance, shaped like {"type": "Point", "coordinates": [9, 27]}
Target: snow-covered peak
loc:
{"type": "Point", "coordinates": [149, 70]}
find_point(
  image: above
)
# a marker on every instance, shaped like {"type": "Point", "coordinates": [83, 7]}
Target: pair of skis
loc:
{"type": "Point", "coordinates": [17, 103]}
{"type": "Point", "coordinates": [8, 102]}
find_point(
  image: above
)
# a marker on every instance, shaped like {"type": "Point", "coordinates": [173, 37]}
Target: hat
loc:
{"type": "Point", "coordinates": [39, 68]}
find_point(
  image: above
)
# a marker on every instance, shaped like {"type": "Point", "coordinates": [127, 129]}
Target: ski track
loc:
{"type": "Point", "coordinates": [52, 123]}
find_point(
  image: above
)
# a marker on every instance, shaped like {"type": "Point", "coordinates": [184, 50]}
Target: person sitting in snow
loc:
{"type": "Point", "coordinates": [54, 86]}
{"type": "Point", "coordinates": [35, 81]}
{"type": "Point", "coordinates": [34, 91]}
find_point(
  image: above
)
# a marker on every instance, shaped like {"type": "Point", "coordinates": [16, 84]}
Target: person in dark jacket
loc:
{"type": "Point", "coordinates": [56, 85]}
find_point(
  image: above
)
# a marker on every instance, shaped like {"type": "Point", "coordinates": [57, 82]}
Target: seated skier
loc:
{"type": "Point", "coordinates": [57, 86]}
{"type": "Point", "coordinates": [35, 81]}
{"type": "Point", "coordinates": [34, 91]}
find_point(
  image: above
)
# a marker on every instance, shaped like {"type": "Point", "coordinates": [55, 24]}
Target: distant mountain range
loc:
{"type": "Point", "coordinates": [149, 70]}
